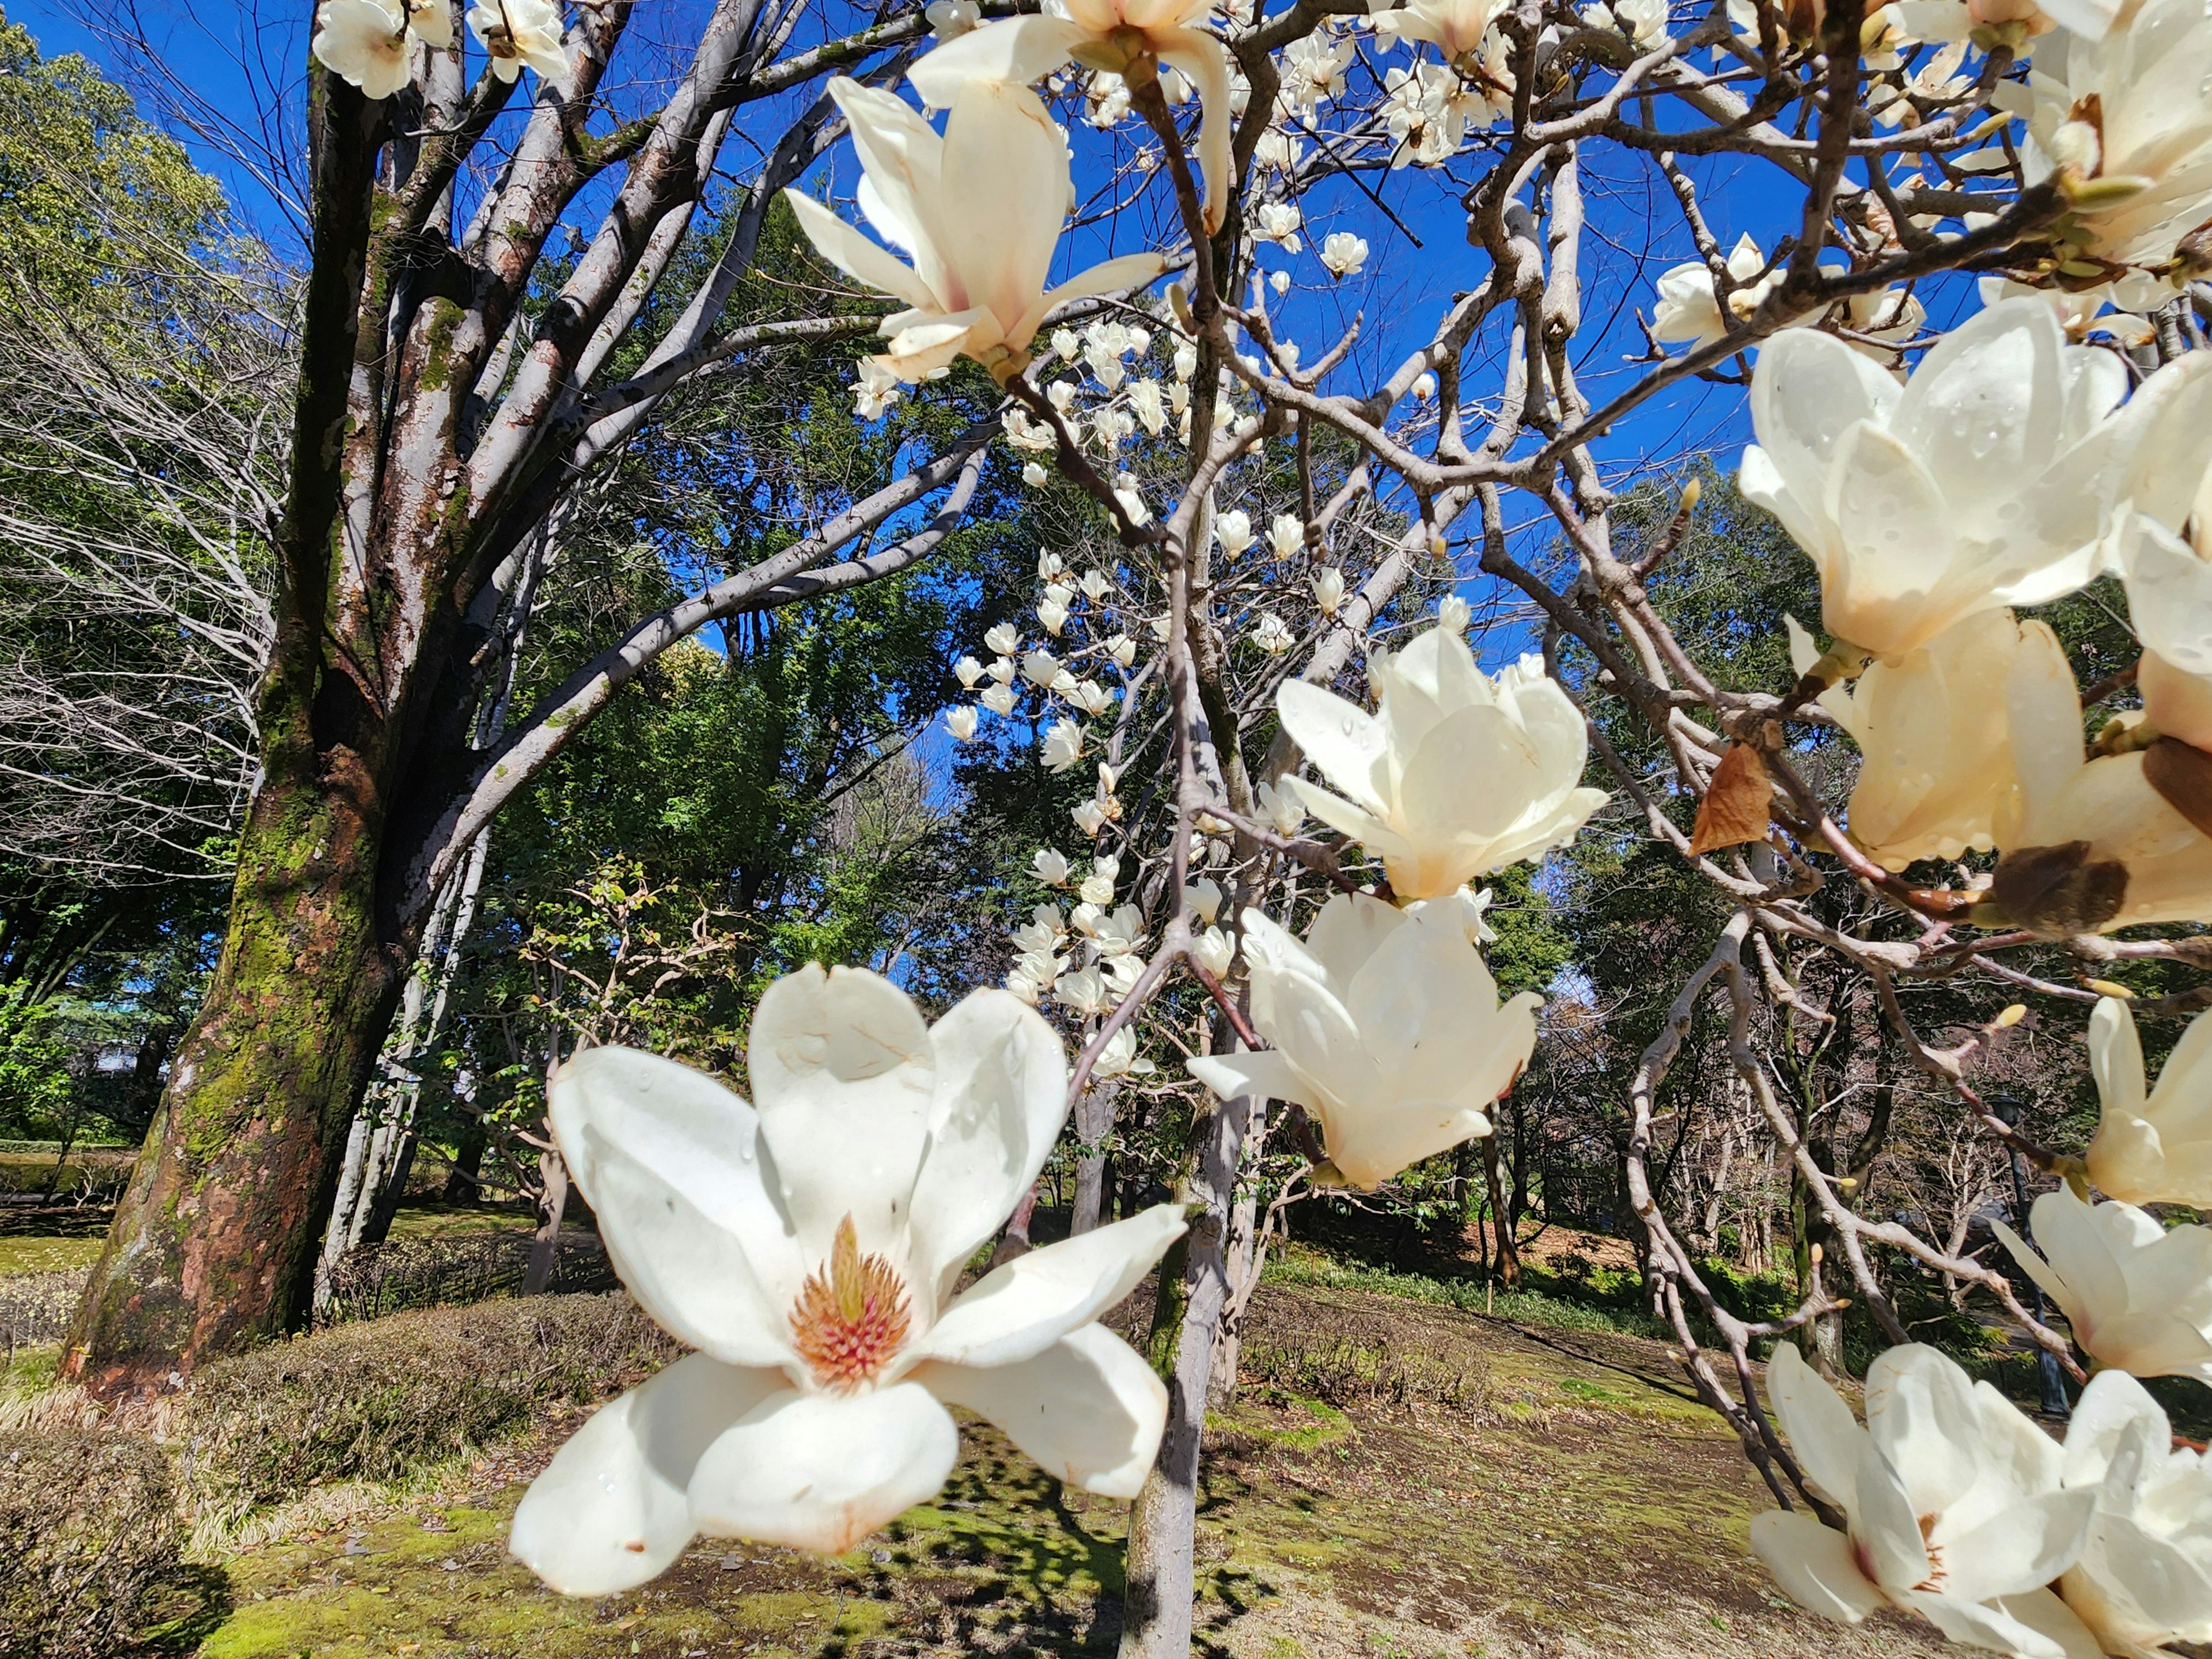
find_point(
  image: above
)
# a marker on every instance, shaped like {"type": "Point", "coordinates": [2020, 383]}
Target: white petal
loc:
{"type": "Point", "coordinates": [1822, 1434]}
{"type": "Point", "coordinates": [855, 255]}
{"type": "Point", "coordinates": [1004, 196]}
{"type": "Point", "coordinates": [821, 1472]}
{"type": "Point", "coordinates": [2021, 1547]}
{"type": "Point", "coordinates": [1813, 1566]}
{"type": "Point", "coordinates": [1266, 1072]}
{"type": "Point", "coordinates": [610, 1510]}
{"type": "Point", "coordinates": [1206, 60]}
{"type": "Point", "coordinates": [668, 1159]}
{"type": "Point", "coordinates": [1113, 276]}
{"type": "Point", "coordinates": [2109, 1408]}
{"type": "Point", "coordinates": [842, 1075]}
{"type": "Point", "coordinates": [2049, 1631]}
{"type": "Point", "coordinates": [2115, 1057]}
{"type": "Point", "coordinates": [1347, 743]}
{"type": "Point", "coordinates": [1885, 1530]}
{"type": "Point", "coordinates": [1024, 1307]}
{"type": "Point", "coordinates": [1016, 49]}
{"type": "Point", "coordinates": [1001, 1096]}
{"type": "Point", "coordinates": [1088, 1409]}
{"type": "Point", "coordinates": [1922, 1417]}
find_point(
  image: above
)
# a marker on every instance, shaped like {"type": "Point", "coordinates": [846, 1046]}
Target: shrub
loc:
{"type": "Point", "coordinates": [36, 1307]}
{"type": "Point", "coordinates": [89, 1536]}
{"type": "Point", "coordinates": [1305, 1346]}
{"type": "Point", "coordinates": [428, 1273]}
{"type": "Point", "coordinates": [379, 1400]}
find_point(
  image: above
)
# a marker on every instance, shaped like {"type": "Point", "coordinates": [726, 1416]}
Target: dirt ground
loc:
{"type": "Point", "coordinates": [1480, 1489]}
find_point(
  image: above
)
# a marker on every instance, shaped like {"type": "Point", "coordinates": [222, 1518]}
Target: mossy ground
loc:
{"type": "Point", "coordinates": [1576, 1502]}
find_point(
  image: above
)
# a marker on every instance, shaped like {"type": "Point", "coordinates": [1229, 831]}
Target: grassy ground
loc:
{"type": "Point", "coordinates": [1573, 1502]}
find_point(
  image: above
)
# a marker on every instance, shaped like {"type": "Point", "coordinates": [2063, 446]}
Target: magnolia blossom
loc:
{"type": "Point", "coordinates": [1214, 950]}
{"type": "Point", "coordinates": [1233, 530]}
{"type": "Point", "coordinates": [2134, 1294]}
{"type": "Point", "coordinates": [980, 211]}
{"type": "Point", "coordinates": [1063, 745]}
{"type": "Point", "coordinates": [1329, 590]}
{"type": "Point", "coordinates": [1121, 650]}
{"type": "Point", "coordinates": [876, 390]}
{"type": "Point", "coordinates": [1281, 808]}
{"type": "Point", "coordinates": [2162, 542]}
{"type": "Point", "coordinates": [1935, 728]}
{"type": "Point", "coordinates": [1002, 638]}
{"type": "Point", "coordinates": [1386, 1025]}
{"type": "Point", "coordinates": [807, 1246]}
{"type": "Point", "coordinates": [1120, 1058]}
{"type": "Point", "coordinates": [2145, 1575]}
{"type": "Point", "coordinates": [1343, 254]}
{"type": "Point", "coordinates": [999, 699]}
{"type": "Point", "coordinates": [1976, 485]}
{"type": "Point", "coordinates": [1454, 28]}
{"type": "Point", "coordinates": [1430, 107]}
{"type": "Point", "coordinates": [1644, 21]}
{"type": "Point", "coordinates": [1204, 896]}
{"type": "Point", "coordinates": [1272, 634]}
{"type": "Point", "coordinates": [960, 721]}
{"type": "Point", "coordinates": [1687, 308]}
{"type": "Point", "coordinates": [1457, 775]}
{"type": "Point", "coordinates": [951, 19]}
{"type": "Point", "coordinates": [1048, 867]}
{"type": "Point", "coordinates": [2156, 1149]}
{"type": "Point", "coordinates": [1954, 1499]}
{"type": "Point", "coordinates": [1127, 39]}
{"type": "Point", "coordinates": [366, 42]}
{"type": "Point", "coordinates": [2125, 122]}
{"type": "Point", "coordinates": [521, 33]}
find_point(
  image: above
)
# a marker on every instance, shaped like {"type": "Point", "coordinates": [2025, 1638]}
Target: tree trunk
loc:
{"type": "Point", "coordinates": [464, 1181]}
{"type": "Point", "coordinates": [212, 1247]}
{"type": "Point", "coordinates": [1242, 1264]}
{"type": "Point", "coordinates": [1161, 1569]}
{"type": "Point", "coordinates": [1503, 1219]}
{"type": "Point", "coordinates": [552, 1198]}
{"type": "Point", "coordinates": [1015, 1240]}
{"type": "Point", "coordinates": [1094, 1121]}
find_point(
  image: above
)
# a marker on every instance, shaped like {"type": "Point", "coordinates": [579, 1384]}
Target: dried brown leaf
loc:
{"type": "Point", "coordinates": [1734, 809]}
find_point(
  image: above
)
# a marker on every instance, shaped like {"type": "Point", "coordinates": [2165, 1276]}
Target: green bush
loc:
{"type": "Point", "coordinates": [88, 1539]}
{"type": "Point", "coordinates": [377, 1400]}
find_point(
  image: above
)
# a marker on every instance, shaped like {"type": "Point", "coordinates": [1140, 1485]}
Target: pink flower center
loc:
{"type": "Point", "coordinates": [851, 1319]}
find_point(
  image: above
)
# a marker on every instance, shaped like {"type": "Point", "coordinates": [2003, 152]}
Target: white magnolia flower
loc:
{"type": "Point", "coordinates": [1002, 669]}
{"type": "Point", "coordinates": [1454, 614]}
{"type": "Point", "coordinates": [1120, 1058]}
{"type": "Point", "coordinates": [1977, 484]}
{"type": "Point", "coordinates": [960, 721]}
{"type": "Point", "coordinates": [2099, 846]}
{"type": "Point", "coordinates": [2129, 113]}
{"type": "Point", "coordinates": [951, 19]}
{"type": "Point", "coordinates": [1119, 975]}
{"type": "Point", "coordinates": [1097, 585]}
{"type": "Point", "coordinates": [2134, 1294]}
{"type": "Point", "coordinates": [1272, 634]}
{"type": "Point", "coordinates": [1456, 776]}
{"type": "Point", "coordinates": [1114, 37]}
{"type": "Point", "coordinates": [1286, 535]}
{"type": "Point", "coordinates": [1214, 950]}
{"type": "Point", "coordinates": [807, 1247]}
{"type": "Point", "coordinates": [1204, 896]}
{"type": "Point", "coordinates": [1097, 887]}
{"type": "Point", "coordinates": [1186, 360]}
{"type": "Point", "coordinates": [875, 390]}
{"type": "Point", "coordinates": [1041, 933]}
{"type": "Point", "coordinates": [1048, 867]}
{"type": "Point", "coordinates": [979, 210]}
{"type": "Point", "coordinates": [1085, 917]}
{"type": "Point", "coordinates": [1425, 385]}
{"type": "Point", "coordinates": [1150, 403]}
{"type": "Point", "coordinates": [1162, 627]}
{"type": "Point", "coordinates": [2145, 1575]}
{"type": "Point", "coordinates": [1083, 992]}
{"type": "Point", "coordinates": [1282, 808]}
{"type": "Point", "coordinates": [364, 42]}
{"type": "Point", "coordinates": [1063, 745]}
{"type": "Point", "coordinates": [1929, 88]}
{"type": "Point", "coordinates": [1035, 475]}
{"type": "Point", "coordinates": [2154, 1149]}
{"type": "Point", "coordinates": [1281, 282]}
{"type": "Point", "coordinates": [1954, 1501]}
{"type": "Point", "coordinates": [1050, 566]}
{"type": "Point", "coordinates": [1053, 615]}
{"type": "Point", "coordinates": [1133, 503]}
{"type": "Point", "coordinates": [999, 699]}
{"type": "Point", "coordinates": [521, 33]}
{"type": "Point", "coordinates": [1121, 650]}
{"type": "Point", "coordinates": [1041, 668]}
{"type": "Point", "coordinates": [1004, 639]}
{"type": "Point", "coordinates": [1644, 21]}
{"type": "Point", "coordinates": [1119, 932]}
{"type": "Point", "coordinates": [1935, 729]}
{"type": "Point", "coordinates": [1343, 253]}
{"type": "Point", "coordinates": [1329, 590]}
{"type": "Point", "coordinates": [1454, 28]}
{"type": "Point", "coordinates": [2162, 538]}
{"type": "Point", "coordinates": [1090, 817]}
{"type": "Point", "coordinates": [1386, 1025]}
{"type": "Point", "coordinates": [1688, 311]}
{"type": "Point", "coordinates": [1233, 530]}
{"type": "Point", "coordinates": [1092, 698]}
{"type": "Point", "coordinates": [968, 672]}
{"type": "Point", "coordinates": [1430, 107]}
{"type": "Point", "coordinates": [1279, 221]}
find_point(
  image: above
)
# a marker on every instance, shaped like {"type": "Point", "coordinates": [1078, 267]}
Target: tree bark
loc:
{"type": "Point", "coordinates": [1161, 1571]}
{"type": "Point", "coordinates": [212, 1246]}
{"type": "Point", "coordinates": [1015, 1240]}
{"type": "Point", "coordinates": [1094, 1121]}
{"type": "Point", "coordinates": [552, 1199]}
{"type": "Point", "coordinates": [1501, 1216]}
{"type": "Point", "coordinates": [464, 1181]}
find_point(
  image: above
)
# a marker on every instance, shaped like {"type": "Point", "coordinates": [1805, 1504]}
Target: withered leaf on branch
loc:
{"type": "Point", "coordinates": [1734, 809]}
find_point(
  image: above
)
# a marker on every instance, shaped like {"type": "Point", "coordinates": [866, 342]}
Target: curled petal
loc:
{"type": "Point", "coordinates": [1088, 1409]}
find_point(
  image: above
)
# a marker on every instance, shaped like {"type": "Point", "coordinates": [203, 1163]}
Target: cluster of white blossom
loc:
{"type": "Point", "coordinates": [370, 42]}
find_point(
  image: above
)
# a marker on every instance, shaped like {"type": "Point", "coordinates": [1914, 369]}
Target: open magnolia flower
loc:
{"type": "Point", "coordinates": [808, 1247]}
{"type": "Point", "coordinates": [1934, 726]}
{"type": "Point", "coordinates": [2162, 536]}
{"type": "Point", "coordinates": [2136, 1295]}
{"type": "Point", "coordinates": [1954, 1500]}
{"type": "Point", "coordinates": [1977, 484]}
{"type": "Point", "coordinates": [519, 35]}
{"type": "Point", "coordinates": [1127, 38]}
{"type": "Point", "coordinates": [2145, 1575]}
{"type": "Point", "coordinates": [979, 210]}
{"type": "Point", "coordinates": [1386, 1025]}
{"type": "Point", "coordinates": [2124, 122]}
{"type": "Point", "coordinates": [368, 42]}
{"type": "Point", "coordinates": [2154, 1150]}
{"type": "Point", "coordinates": [1454, 28]}
{"type": "Point", "coordinates": [1456, 774]}
{"type": "Point", "coordinates": [1687, 310]}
